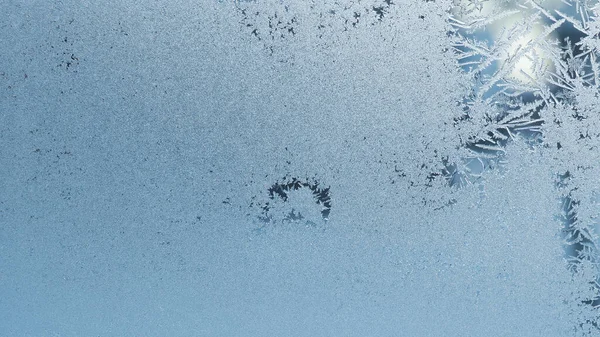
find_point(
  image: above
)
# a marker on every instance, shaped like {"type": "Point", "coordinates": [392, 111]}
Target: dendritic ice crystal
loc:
{"type": "Point", "coordinates": [535, 73]}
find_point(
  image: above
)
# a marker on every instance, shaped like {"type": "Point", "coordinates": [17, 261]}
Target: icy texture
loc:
{"type": "Point", "coordinates": [535, 73]}
{"type": "Point", "coordinates": [299, 168]}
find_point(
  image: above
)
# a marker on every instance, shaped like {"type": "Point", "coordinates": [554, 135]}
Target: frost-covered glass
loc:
{"type": "Point", "coordinates": [300, 168]}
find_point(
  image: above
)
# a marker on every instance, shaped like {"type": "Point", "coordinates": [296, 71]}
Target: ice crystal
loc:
{"type": "Point", "coordinates": [540, 78]}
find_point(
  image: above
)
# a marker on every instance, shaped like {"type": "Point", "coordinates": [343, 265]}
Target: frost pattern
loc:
{"type": "Point", "coordinates": [286, 29]}
{"type": "Point", "coordinates": [534, 68]}
{"type": "Point", "coordinates": [534, 77]}
{"type": "Point", "coordinates": [145, 147]}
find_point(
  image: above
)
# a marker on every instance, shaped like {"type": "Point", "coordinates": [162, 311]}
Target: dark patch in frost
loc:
{"type": "Point", "coordinates": [276, 24]}
{"type": "Point", "coordinates": [281, 192]}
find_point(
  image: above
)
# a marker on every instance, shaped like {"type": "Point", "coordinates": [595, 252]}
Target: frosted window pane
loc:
{"type": "Point", "coordinates": [300, 168]}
